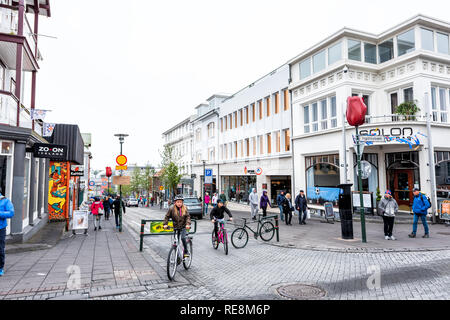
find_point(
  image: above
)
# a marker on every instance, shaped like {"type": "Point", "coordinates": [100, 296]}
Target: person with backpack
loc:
{"type": "Point", "coordinates": [280, 199]}
{"type": "Point", "coordinates": [6, 212]}
{"type": "Point", "coordinates": [388, 208]}
{"type": "Point", "coordinates": [420, 207]}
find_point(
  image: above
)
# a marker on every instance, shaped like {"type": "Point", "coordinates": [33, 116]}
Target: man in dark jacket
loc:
{"type": "Point", "coordinates": [301, 204]}
{"type": "Point", "coordinates": [280, 200]}
{"type": "Point", "coordinates": [107, 207]}
{"type": "Point", "coordinates": [118, 207]}
{"type": "Point", "coordinates": [420, 208]}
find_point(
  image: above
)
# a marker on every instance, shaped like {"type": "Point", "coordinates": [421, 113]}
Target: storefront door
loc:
{"type": "Point", "coordinates": [404, 185]}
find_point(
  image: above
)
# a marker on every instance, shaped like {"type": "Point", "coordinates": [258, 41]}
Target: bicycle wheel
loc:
{"type": "Point", "coordinates": [172, 263]}
{"type": "Point", "coordinates": [188, 261]}
{"type": "Point", "coordinates": [239, 238]}
{"type": "Point", "coordinates": [225, 241]}
{"type": "Point", "coordinates": [214, 241]}
{"type": "Point", "coordinates": [267, 231]}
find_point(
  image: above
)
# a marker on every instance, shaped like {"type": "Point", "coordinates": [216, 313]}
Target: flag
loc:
{"type": "Point", "coordinates": [37, 114]}
{"type": "Point", "coordinates": [48, 129]}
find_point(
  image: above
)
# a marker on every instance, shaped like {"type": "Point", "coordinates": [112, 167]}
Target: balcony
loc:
{"type": "Point", "coordinates": [8, 113]}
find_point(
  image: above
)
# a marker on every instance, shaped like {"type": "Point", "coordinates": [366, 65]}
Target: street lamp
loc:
{"type": "Point", "coordinates": [121, 137]}
{"type": "Point", "coordinates": [203, 187]}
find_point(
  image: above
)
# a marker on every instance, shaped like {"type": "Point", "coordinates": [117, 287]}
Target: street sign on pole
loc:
{"type": "Point", "coordinates": [208, 176]}
{"type": "Point", "coordinates": [363, 138]}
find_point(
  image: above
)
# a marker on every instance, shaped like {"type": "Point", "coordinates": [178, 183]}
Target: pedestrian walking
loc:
{"type": "Point", "coordinates": [152, 201]}
{"type": "Point", "coordinates": [254, 203]}
{"type": "Point", "coordinates": [97, 211]}
{"type": "Point", "coordinates": [107, 207]}
{"type": "Point", "coordinates": [223, 197]}
{"type": "Point", "coordinates": [301, 204]}
{"type": "Point", "coordinates": [280, 199]}
{"type": "Point", "coordinates": [6, 212]}
{"type": "Point", "coordinates": [388, 208]}
{"type": "Point", "coordinates": [214, 200]}
{"type": "Point", "coordinates": [420, 207]}
{"type": "Point", "coordinates": [118, 207]}
{"type": "Point", "coordinates": [288, 209]}
{"type": "Point", "coordinates": [207, 201]}
{"type": "Point", "coordinates": [264, 202]}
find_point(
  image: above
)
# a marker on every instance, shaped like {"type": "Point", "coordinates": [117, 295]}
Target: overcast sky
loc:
{"type": "Point", "coordinates": [140, 67]}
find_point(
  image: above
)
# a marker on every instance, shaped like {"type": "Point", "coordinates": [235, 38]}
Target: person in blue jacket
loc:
{"type": "Point", "coordinates": [420, 208]}
{"type": "Point", "coordinates": [6, 212]}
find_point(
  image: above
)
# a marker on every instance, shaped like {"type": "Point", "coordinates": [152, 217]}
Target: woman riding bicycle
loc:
{"type": "Point", "coordinates": [181, 220]}
{"type": "Point", "coordinates": [217, 214]}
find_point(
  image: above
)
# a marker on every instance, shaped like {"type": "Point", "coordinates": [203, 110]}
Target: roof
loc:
{"type": "Point", "coordinates": [180, 124]}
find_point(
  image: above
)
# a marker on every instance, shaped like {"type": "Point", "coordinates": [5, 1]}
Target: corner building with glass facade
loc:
{"type": "Point", "coordinates": [407, 66]}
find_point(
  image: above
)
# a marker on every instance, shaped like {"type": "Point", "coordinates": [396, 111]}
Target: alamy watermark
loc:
{"type": "Point", "coordinates": [374, 281]}
{"type": "Point", "coordinates": [74, 282]}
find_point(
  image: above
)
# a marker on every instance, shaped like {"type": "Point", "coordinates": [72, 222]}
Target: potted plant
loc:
{"type": "Point", "coordinates": [408, 109]}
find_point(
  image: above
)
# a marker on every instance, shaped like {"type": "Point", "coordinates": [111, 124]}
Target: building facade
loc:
{"type": "Point", "coordinates": [180, 138]}
{"type": "Point", "coordinates": [407, 65]}
{"type": "Point", "coordinates": [23, 178]}
{"type": "Point", "coordinates": [254, 141]}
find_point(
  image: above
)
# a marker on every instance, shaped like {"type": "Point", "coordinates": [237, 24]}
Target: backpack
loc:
{"type": "Point", "coordinates": [428, 198]}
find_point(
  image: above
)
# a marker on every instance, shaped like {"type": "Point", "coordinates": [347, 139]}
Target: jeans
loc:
{"type": "Point", "coordinates": [183, 234]}
{"type": "Point", "coordinates": [288, 218]}
{"type": "Point", "coordinates": [206, 209]}
{"type": "Point", "coordinates": [281, 213]}
{"type": "Point", "coordinates": [264, 210]}
{"type": "Point", "coordinates": [423, 217]}
{"type": "Point", "coordinates": [117, 219]}
{"type": "Point", "coordinates": [388, 225]}
{"type": "Point", "coordinates": [2, 247]}
{"type": "Point", "coordinates": [302, 215]}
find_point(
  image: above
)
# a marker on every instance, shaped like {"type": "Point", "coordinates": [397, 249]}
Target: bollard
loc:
{"type": "Point", "coordinates": [141, 245]}
{"type": "Point", "coordinates": [277, 227]}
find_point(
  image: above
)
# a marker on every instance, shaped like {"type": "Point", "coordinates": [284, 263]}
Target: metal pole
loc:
{"type": "Point", "coordinates": [203, 188]}
{"type": "Point", "coordinates": [141, 244]}
{"type": "Point", "coordinates": [344, 143]}
{"type": "Point", "coordinates": [120, 191]}
{"type": "Point", "coordinates": [363, 219]}
{"type": "Point", "coordinates": [431, 159]}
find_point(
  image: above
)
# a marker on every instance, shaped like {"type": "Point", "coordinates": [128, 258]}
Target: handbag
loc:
{"type": "Point", "coordinates": [101, 211]}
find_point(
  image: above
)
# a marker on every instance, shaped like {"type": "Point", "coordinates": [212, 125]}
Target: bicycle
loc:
{"type": "Point", "coordinates": [265, 231]}
{"type": "Point", "coordinates": [222, 236]}
{"type": "Point", "coordinates": [176, 254]}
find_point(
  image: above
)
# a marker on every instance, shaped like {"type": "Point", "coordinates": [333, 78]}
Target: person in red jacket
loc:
{"type": "Point", "coordinates": [95, 212]}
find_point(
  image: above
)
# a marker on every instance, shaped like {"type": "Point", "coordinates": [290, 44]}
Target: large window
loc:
{"type": "Point", "coordinates": [305, 69]}
{"type": "Point", "coordinates": [442, 43]}
{"type": "Point", "coordinates": [439, 103]}
{"type": "Point", "coordinates": [319, 62]}
{"type": "Point", "coordinates": [427, 39]}
{"type": "Point", "coordinates": [325, 110]}
{"type": "Point", "coordinates": [370, 53]}
{"type": "Point", "coordinates": [211, 128]}
{"type": "Point", "coordinates": [335, 53]}
{"type": "Point", "coordinates": [386, 50]}
{"type": "Point", "coordinates": [354, 50]}
{"type": "Point", "coordinates": [406, 42]}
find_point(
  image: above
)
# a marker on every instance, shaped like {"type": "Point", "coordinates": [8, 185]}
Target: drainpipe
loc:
{"type": "Point", "coordinates": [431, 163]}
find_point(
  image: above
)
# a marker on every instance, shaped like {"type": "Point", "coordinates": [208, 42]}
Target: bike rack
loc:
{"type": "Point", "coordinates": [143, 234]}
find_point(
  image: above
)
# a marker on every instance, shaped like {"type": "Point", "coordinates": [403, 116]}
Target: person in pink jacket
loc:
{"type": "Point", "coordinates": [207, 200]}
{"type": "Point", "coordinates": [95, 212]}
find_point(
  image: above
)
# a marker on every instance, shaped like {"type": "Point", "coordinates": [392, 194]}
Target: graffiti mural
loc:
{"type": "Point", "coordinates": [57, 190]}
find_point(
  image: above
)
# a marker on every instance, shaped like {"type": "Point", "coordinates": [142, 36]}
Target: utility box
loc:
{"type": "Point", "coordinates": [346, 211]}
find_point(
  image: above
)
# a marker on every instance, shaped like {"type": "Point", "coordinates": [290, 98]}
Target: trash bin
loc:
{"type": "Point", "coordinates": [345, 211]}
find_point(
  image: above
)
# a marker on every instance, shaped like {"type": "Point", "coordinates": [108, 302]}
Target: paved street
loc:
{"type": "Point", "coordinates": [112, 268]}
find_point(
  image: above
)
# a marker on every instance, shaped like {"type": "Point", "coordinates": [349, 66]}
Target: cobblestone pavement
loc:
{"type": "Point", "coordinates": [257, 270]}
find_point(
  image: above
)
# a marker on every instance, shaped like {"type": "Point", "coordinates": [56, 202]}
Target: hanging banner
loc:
{"type": "Point", "coordinates": [37, 114]}
{"type": "Point", "coordinates": [48, 129]}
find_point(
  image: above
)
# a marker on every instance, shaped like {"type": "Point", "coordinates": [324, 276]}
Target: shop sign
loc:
{"type": "Point", "coordinates": [50, 151]}
{"type": "Point", "coordinates": [445, 210]}
{"type": "Point", "coordinates": [76, 171]}
{"type": "Point", "coordinates": [253, 172]}
{"type": "Point", "coordinates": [404, 135]}
{"type": "Point", "coordinates": [80, 220]}
{"type": "Point", "coordinates": [122, 180]}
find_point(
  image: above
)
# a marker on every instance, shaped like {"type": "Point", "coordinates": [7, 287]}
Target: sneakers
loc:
{"type": "Point", "coordinates": [392, 238]}
{"type": "Point", "coordinates": [2, 272]}
{"type": "Point", "coordinates": [387, 238]}
{"type": "Point", "coordinates": [412, 235]}
{"type": "Point", "coordinates": [426, 236]}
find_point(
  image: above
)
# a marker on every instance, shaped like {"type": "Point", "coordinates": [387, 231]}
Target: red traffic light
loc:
{"type": "Point", "coordinates": [108, 172]}
{"type": "Point", "coordinates": [356, 111]}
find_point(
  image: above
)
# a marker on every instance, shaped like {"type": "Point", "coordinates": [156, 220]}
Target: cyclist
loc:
{"type": "Point", "coordinates": [217, 215]}
{"type": "Point", "coordinates": [181, 220]}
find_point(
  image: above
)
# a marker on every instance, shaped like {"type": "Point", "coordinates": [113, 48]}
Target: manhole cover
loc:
{"type": "Point", "coordinates": [301, 292]}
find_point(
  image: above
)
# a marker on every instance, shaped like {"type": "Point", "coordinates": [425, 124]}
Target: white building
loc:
{"type": "Point", "coordinates": [253, 145]}
{"type": "Point", "coordinates": [409, 62]}
{"type": "Point", "coordinates": [180, 137]}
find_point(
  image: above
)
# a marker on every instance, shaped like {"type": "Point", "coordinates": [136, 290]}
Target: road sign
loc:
{"type": "Point", "coordinates": [208, 176]}
{"type": "Point", "coordinates": [92, 183]}
{"type": "Point", "coordinates": [161, 188]}
{"type": "Point", "coordinates": [121, 168]}
{"type": "Point", "coordinates": [122, 160]}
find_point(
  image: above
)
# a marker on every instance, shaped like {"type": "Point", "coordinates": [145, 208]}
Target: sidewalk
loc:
{"type": "Point", "coordinates": [317, 235]}
{"type": "Point", "coordinates": [109, 262]}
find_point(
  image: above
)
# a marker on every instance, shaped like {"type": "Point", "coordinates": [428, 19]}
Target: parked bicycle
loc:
{"type": "Point", "coordinates": [265, 230]}
{"type": "Point", "coordinates": [222, 236]}
{"type": "Point", "coordinates": [176, 254]}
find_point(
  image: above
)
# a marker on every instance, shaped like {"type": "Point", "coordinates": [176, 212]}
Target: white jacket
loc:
{"type": "Point", "coordinates": [254, 199]}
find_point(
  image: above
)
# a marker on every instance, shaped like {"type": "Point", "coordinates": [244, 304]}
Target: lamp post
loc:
{"type": "Point", "coordinates": [121, 137]}
{"type": "Point", "coordinates": [203, 186]}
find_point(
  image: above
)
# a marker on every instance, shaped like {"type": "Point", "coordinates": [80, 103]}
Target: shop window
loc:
{"type": "Point", "coordinates": [386, 50]}
{"type": "Point", "coordinates": [370, 184]}
{"type": "Point", "coordinates": [322, 179]}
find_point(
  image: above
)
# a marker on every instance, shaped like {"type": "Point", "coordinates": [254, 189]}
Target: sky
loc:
{"type": "Point", "coordinates": [141, 66]}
